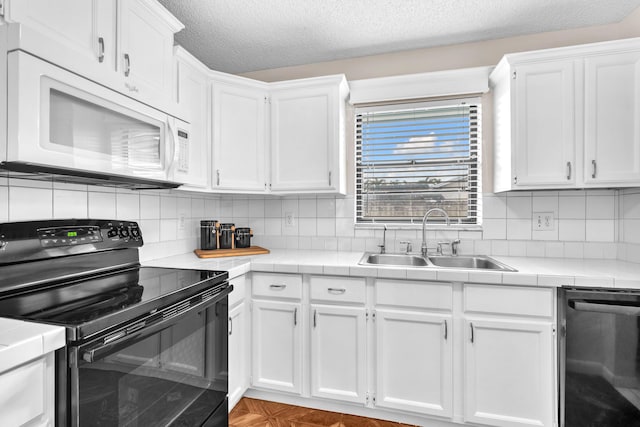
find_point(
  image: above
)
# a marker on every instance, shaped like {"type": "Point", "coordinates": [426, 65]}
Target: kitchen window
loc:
{"type": "Point", "coordinates": [415, 156]}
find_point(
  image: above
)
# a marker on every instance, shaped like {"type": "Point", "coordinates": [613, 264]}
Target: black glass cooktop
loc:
{"type": "Point", "coordinates": [90, 305]}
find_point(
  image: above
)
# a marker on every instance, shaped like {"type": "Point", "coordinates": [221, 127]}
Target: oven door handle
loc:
{"type": "Point", "coordinates": [601, 306]}
{"type": "Point", "coordinates": [138, 332]}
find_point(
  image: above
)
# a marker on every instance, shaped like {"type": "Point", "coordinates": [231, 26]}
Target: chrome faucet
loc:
{"type": "Point", "coordinates": [383, 246]}
{"type": "Point", "coordinates": [423, 247]}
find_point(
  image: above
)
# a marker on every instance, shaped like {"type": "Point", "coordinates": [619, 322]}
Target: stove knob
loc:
{"type": "Point", "coordinates": [112, 233]}
{"type": "Point", "coordinates": [124, 233]}
{"type": "Point", "coordinates": [135, 232]}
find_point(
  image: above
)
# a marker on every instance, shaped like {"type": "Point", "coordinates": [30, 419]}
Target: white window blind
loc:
{"type": "Point", "coordinates": [417, 156]}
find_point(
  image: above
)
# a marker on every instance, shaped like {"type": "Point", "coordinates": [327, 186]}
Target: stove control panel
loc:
{"type": "Point", "coordinates": [123, 231]}
{"type": "Point", "coordinates": [68, 236]}
{"type": "Point", "coordinates": [35, 240]}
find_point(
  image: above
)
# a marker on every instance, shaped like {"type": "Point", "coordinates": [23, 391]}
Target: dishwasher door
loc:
{"type": "Point", "coordinates": [599, 358]}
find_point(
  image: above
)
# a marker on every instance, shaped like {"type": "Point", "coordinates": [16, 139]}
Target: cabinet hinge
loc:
{"type": "Point", "coordinates": [366, 398]}
{"type": "Point", "coordinates": [553, 331]}
{"type": "Point", "coordinates": [514, 75]}
{"type": "Point", "coordinates": [1, 7]}
{"type": "Point", "coordinates": [366, 315]}
{"type": "Point", "coordinates": [515, 179]}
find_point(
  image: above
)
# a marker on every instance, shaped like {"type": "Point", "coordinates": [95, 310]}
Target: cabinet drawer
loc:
{"type": "Point", "coordinates": [277, 285]}
{"type": "Point", "coordinates": [406, 293]}
{"type": "Point", "coordinates": [239, 290]}
{"type": "Point", "coordinates": [338, 289]}
{"type": "Point", "coordinates": [511, 300]}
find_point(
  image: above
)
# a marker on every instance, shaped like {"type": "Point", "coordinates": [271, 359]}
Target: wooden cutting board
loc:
{"type": "Point", "coordinates": [219, 253]}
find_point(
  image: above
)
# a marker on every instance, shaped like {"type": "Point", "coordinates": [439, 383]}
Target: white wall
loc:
{"type": "Point", "coordinates": [586, 225]}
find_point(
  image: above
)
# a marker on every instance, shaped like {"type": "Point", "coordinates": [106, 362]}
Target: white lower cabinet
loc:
{"type": "Point", "coordinates": [508, 379]}
{"type": "Point", "coordinates": [414, 362]}
{"type": "Point", "coordinates": [338, 353]}
{"type": "Point", "coordinates": [238, 354]}
{"type": "Point", "coordinates": [412, 350]}
{"type": "Point", "coordinates": [414, 347]}
{"type": "Point", "coordinates": [509, 356]}
{"type": "Point", "coordinates": [277, 350]}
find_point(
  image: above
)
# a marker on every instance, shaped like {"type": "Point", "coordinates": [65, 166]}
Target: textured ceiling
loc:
{"type": "Point", "coordinates": [238, 36]}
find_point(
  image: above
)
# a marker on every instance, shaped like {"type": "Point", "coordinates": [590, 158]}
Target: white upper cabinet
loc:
{"type": "Point", "coordinates": [307, 135]}
{"type": "Point", "coordinates": [544, 143]}
{"type": "Point", "coordinates": [145, 56]}
{"type": "Point", "coordinates": [126, 45]}
{"type": "Point", "coordinates": [239, 135]}
{"type": "Point", "coordinates": [192, 96]}
{"type": "Point", "coordinates": [612, 119]}
{"type": "Point", "coordinates": [76, 34]}
{"type": "Point", "coordinates": [568, 117]}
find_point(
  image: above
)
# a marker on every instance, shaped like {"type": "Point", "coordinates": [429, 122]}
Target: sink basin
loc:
{"type": "Point", "coordinates": [474, 262]}
{"type": "Point", "coordinates": [393, 260]}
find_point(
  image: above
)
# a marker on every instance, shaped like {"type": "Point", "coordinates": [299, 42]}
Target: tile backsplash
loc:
{"type": "Point", "coordinates": [595, 224]}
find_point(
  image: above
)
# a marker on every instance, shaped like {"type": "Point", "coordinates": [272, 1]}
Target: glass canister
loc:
{"type": "Point", "coordinates": [243, 237]}
{"type": "Point", "coordinates": [227, 236]}
{"type": "Point", "coordinates": [208, 234]}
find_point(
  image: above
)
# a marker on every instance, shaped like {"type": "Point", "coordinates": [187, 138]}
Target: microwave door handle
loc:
{"type": "Point", "coordinates": [171, 152]}
{"type": "Point", "coordinates": [604, 307]}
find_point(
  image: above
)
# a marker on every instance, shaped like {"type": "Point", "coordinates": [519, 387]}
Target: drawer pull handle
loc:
{"type": "Point", "coordinates": [277, 287]}
{"type": "Point", "coordinates": [338, 291]}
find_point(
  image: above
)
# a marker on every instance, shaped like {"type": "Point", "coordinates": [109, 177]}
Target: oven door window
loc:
{"type": "Point", "coordinates": [176, 376]}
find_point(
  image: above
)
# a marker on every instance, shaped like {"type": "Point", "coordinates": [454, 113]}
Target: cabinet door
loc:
{"type": "Point", "coordinates": [509, 373]}
{"type": "Point", "coordinates": [238, 356]}
{"type": "Point", "coordinates": [193, 100]}
{"type": "Point", "coordinates": [145, 56]}
{"type": "Point", "coordinates": [238, 138]}
{"type": "Point", "coordinates": [414, 362]}
{"type": "Point", "coordinates": [305, 133]}
{"type": "Point", "coordinates": [612, 119]}
{"type": "Point", "coordinates": [277, 351]}
{"type": "Point", "coordinates": [79, 35]}
{"type": "Point", "coordinates": [544, 130]}
{"type": "Point", "coordinates": [338, 353]}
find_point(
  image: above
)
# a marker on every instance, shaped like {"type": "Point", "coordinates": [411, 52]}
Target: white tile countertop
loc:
{"type": "Point", "coordinates": [548, 272]}
{"type": "Point", "coordinates": [22, 341]}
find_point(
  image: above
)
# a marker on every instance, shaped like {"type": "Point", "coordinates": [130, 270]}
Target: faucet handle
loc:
{"type": "Point", "coordinates": [382, 248]}
{"type": "Point", "coordinates": [409, 246]}
{"type": "Point", "coordinates": [454, 247]}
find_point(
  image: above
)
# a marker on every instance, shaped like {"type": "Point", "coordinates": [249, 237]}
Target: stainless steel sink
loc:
{"type": "Point", "coordinates": [474, 262]}
{"type": "Point", "coordinates": [393, 260]}
{"type": "Point", "coordinates": [477, 262]}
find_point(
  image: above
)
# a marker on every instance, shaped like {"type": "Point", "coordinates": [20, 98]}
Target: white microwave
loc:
{"type": "Point", "coordinates": [60, 121]}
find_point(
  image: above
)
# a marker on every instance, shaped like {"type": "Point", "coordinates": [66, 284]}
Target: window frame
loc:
{"type": "Point", "coordinates": [474, 201]}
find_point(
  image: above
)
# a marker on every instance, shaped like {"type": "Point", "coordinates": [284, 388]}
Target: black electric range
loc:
{"type": "Point", "coordinates": [122, 320]}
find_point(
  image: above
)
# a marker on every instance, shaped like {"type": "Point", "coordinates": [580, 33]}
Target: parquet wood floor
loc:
{"type": "Point", "coordinates": [262, 413]}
